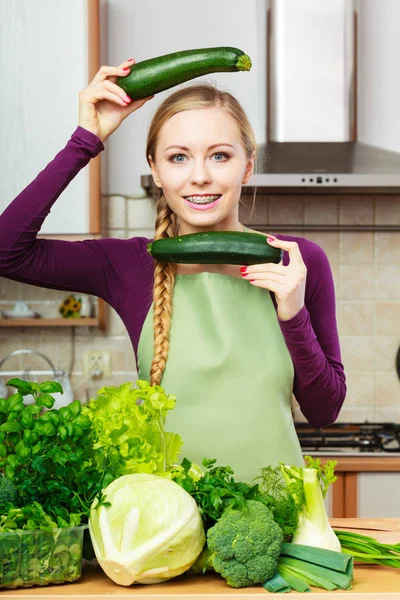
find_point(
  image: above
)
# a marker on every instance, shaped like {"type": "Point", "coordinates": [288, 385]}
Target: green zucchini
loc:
{"type": "Point", "coordinates": [215, 248]}
{"type": "Point", "coordinates": [157, 74]}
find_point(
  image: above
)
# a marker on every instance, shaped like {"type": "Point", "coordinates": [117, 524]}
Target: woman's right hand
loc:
{"type": "Point", "coordinates": [103, 105]}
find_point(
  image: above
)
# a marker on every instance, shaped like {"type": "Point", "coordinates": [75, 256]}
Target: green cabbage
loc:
{"type": "Point", "coordinates": [152, 531]}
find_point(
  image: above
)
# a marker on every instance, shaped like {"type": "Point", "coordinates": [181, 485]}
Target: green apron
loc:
{"type": "Point", "coordinates": [231, 372]}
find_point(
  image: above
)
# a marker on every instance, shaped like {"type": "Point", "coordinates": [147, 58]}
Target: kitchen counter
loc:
{"type": "Point", "coordinates": [347, 462]}
{"type": "Point", "coordinates": [369, 581]}
{"type": "Point", "coordinates": [352, 453]}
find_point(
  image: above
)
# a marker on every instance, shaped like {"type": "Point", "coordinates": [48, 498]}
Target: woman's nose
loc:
{"type": "Point", "coordinates": [200, 174]}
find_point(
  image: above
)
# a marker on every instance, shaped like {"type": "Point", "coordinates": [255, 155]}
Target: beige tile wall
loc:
{"type": "Point", "coordinates": [366, 272]}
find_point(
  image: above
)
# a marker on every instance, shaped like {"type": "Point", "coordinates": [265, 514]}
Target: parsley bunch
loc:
{"type": "Point", "coordinates": [48, 455]}
{"type": "Point", "coordinates": [214, 490]}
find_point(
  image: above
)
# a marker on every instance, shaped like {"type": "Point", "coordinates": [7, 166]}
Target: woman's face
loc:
{"type": "Point", "coordinates": [200, 164]}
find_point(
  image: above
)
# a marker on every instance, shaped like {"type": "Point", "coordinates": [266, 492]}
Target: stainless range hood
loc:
{"type": "Point", "coordinates": [327, 165]}
{"type": "Point", "coordinates": [327, 101]}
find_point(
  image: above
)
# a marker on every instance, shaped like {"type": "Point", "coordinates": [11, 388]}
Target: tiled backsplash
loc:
{"type": "Point", "coordinates": [366, 273]}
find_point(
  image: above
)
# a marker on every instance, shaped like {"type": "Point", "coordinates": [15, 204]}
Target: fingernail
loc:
{"type": "Point", "coordinates": [270, 239]}
{"type": "Point", "coordinates": [126, 68]}
{"type": "Point", "coordinates": [243, 269]}
{"type": "Point", "coordinates": [129, 59]}
{"type": "Point", "coordinates": [127, 99]}
{"type": "Point", "coordinates": [251, 280]}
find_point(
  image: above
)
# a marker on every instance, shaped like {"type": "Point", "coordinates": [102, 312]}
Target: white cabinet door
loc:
{"type": "Point", "coordinates": [379, 495]}
{"type": "Point", "coordinates": [45, 57]}
{"type": "Point", "coordinates": [378, 91]}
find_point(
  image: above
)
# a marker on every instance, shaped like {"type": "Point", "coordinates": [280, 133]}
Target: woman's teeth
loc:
{"type": "Point", "coordinates": [202, 199]}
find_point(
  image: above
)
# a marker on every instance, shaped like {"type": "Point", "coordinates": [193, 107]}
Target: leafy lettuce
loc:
{"type": "Point", "coordinates": [127, 430]}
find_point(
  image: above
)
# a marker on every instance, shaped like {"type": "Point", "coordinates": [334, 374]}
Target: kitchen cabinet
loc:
{"type": "Point", "coordinates": [367, 486]}
{"type": "Point", "coordinates": [369, 580]}
{"type": "Point", "coordinates": [378, 495]}
{"type": "Point", "coordinates": [99, 321]}
{"type": "Point", "coordinates": [49, 52]}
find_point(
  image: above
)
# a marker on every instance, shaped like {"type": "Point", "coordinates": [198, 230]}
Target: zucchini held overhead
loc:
{"type": "Point", "coordinates": [216, 247]}
{"type": "Point", "coordinates": [155, 75]}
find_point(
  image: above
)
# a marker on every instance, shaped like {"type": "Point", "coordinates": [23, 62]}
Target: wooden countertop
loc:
{"type": "Point", "coordinates": [369, 581]}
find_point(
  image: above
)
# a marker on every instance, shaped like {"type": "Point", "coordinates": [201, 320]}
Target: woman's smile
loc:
{"type": "Point", "coordinates": [203, 201]}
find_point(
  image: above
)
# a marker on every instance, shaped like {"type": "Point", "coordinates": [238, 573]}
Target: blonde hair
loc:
{"type": "Point", "coordinates": [198, 96]}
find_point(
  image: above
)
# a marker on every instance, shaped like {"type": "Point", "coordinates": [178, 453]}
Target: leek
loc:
{"type": "Point", "coordinates": [277, 584]}
{"type": "Point", "coordinates": [319, 556]}
{"type": "Point", "coordinates": [297, 584]}
{"type": "Point", "coordinates": [326, 578]}
{"type": "Point", "coordinates": [304, 566]}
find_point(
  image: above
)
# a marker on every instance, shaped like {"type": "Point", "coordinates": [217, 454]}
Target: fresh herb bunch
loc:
{"type": "Point", "coordinates": [48, 455]}
{"type": "Point", "coordinates": [215, 490]}
{"type": "Point", "coordinates": [284, 500]}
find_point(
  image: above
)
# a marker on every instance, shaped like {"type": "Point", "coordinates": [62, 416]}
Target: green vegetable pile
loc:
{"type": "Point", "coordinates": [108, 472]}
{"type": "Point", "coordinates": [287, 505]}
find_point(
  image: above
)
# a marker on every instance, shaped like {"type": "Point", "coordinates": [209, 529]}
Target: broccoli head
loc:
{"type": "Point", "coordinates": [245, 545]}
{"type": "Point", "coordinates": [7, 491]}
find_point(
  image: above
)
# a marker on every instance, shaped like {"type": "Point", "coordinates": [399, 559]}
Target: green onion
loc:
{"type": "Point", "coordinates": [368, 550]}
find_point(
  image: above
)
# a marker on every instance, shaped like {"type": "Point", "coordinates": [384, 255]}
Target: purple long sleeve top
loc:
{"type": "Point", "coordinates": [120, 271]}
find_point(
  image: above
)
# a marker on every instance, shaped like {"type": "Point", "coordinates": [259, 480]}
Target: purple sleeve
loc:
{"type": "Point", "coordinates": [89, 266]}
{"type": "Point", "coordinates": [313, 342]}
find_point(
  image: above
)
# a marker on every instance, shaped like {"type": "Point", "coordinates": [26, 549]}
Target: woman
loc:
{"type": "Point", "coordinates": [231, 343]}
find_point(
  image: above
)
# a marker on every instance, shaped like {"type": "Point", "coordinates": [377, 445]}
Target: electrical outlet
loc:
{"type": "Point", "coordinates": [97, 363]}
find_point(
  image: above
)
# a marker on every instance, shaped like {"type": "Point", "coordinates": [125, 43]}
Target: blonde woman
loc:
{"type": "Point", "coordinates": [231, 343]}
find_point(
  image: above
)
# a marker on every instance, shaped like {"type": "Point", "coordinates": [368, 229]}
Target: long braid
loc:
{"type": "Point", "coordinates": [164, 279]}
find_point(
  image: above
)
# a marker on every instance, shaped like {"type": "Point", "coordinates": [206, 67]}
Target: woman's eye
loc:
{"type": "Point", "coordinates": [224, 156]}
{"type": "Point", "coordinates": [172, 159]}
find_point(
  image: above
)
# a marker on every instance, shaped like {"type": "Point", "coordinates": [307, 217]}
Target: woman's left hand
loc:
{"type": "Point", "coordinates": [288, 283]}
